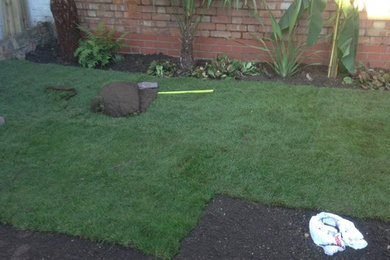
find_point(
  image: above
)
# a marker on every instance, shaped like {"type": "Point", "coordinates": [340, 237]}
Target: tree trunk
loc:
{"type": "Point", "coordinates": [186, 55]}
{"type": "Point", "coordinates": [66, 21]}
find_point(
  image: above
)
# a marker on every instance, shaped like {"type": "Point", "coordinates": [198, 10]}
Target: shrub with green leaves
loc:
{"type": "Point", "coordinates": [347, 80]}
{"type": "Point", "coordinates": [225, 68]}
{"type": "Point", "coordinates": [163, 68]}
{"type": "Point", "coordinates": [99, 48]}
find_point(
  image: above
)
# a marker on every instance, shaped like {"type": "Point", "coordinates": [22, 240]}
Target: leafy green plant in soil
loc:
{"type": "Point", "coordinates": [143, 181]}
{"type": "Point", "coordinates": [369, 78]}
{"type": "Point", "coordinates": [163, 68]}
{"type": "Point", "coordinates": [99, 48]}
{"type": "Point", "coordinates": [225, 68]}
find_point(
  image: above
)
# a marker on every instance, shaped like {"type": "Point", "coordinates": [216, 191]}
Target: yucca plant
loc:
{"type": "Point", "coordinates": [285, 54]}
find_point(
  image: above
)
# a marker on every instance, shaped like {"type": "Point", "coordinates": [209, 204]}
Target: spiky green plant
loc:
{"type": "Point", "coordinates": [285, 53]}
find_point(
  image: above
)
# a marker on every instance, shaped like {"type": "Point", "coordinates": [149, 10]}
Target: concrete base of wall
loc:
{"type": "Point", "coordinates": [22, 43]}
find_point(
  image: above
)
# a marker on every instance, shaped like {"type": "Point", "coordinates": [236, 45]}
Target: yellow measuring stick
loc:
{"type": "Point", "coordinates": [186, 92]}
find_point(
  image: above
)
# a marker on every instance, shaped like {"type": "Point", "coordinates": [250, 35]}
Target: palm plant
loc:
{"type": "Point", "coordinates": [188, 24]}
{"type": "Point", "coordinates": [188, 20]}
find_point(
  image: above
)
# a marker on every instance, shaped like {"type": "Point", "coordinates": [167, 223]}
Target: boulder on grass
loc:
{"type": "Point", "coordinates": [124, 98]}
{"type": "Point", "coordinates": [120, 99]}
{"type": "Point", "coordinates": [2, 120]}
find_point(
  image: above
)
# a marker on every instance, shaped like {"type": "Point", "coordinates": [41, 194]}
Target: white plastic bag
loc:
{"type": "Point", "coordinates": [333, 233]}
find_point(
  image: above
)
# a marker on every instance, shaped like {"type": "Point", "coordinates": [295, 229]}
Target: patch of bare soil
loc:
{"type": "Point", "coordinates": [138, 62]}
{"type": "Point", "coordinates": [18, 244]}
{"type": "Point", "coordinates": [316, 75]}
{"type": "Point", "coordinates": [49, 53]}
{"type": "Point", "coordinates": [236, 229]}
{"type": "Point", "coordinates": [310, 75]}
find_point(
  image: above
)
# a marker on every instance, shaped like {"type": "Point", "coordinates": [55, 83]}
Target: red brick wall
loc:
{"type": "Point", "coordinates": [153, 29]}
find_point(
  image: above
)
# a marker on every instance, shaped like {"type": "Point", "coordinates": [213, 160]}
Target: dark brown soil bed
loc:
{"type": "Point", "coordinates": [49, 53]}
{"type": "Point", "coordinates": [229, 229]}
{"type": "Point", "coordinates": [310, 75]}
{"type": "Point", "coordinates": [18, 244]}
{"type": "Point", "coordinates": [236, 229]}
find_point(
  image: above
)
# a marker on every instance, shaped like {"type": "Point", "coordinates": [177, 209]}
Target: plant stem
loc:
{"type": "Point", "coordinates": [333, 63]}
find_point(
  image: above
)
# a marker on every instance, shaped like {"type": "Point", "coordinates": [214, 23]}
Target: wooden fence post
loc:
{"type": "Point", "coordinates": [15, 18]}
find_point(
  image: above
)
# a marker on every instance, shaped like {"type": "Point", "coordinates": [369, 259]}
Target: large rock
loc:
{"type": "Point", "coordinates": [124, 98]}
{"type": "Point", "coordinates": [120, 99]}
{"type": "Point", "coordinates": [2, 120]}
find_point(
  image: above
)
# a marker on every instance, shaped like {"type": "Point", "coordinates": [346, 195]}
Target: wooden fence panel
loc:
{"type": "Point", "coordinates": [15, 18]}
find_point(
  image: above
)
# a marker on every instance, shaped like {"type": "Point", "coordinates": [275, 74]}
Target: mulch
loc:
{"type": "Point", "coordinates": [309, 75]}
{"type": "Point", "coordinates": [229, 229]}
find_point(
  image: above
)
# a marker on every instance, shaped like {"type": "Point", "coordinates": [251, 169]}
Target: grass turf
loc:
{"type": "Point", "coordinates": [144, 180]}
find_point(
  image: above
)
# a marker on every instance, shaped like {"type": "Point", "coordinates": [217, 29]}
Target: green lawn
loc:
{"type": "Point", "coordinates": [144, 181]}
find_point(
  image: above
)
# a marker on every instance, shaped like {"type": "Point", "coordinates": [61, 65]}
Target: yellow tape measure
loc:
{"type": "Point", "coordinates": [203, 91]}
